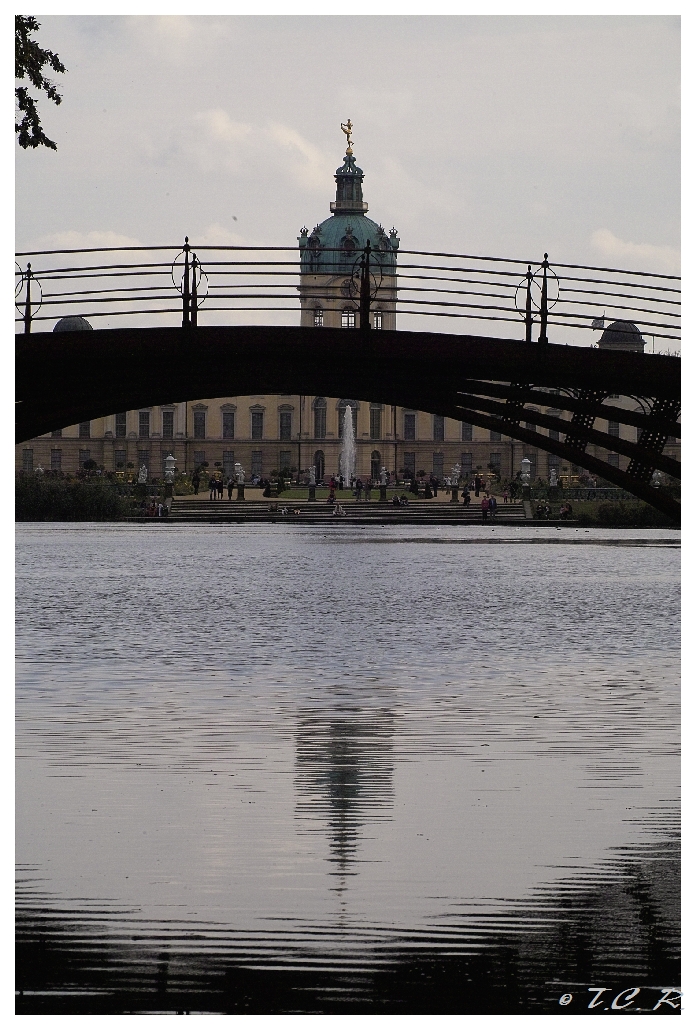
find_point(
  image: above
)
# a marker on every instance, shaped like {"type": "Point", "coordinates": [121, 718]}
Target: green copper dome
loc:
{"type": "Point", "coordinates": [336, 244]}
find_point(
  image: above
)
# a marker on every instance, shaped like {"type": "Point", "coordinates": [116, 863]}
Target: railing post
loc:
{"type": "Point", "coordinates": [529, 321]}
{"type": "Point", "coordinates": [194, 294]}
{"type": "Point", "coordinates": [186, 293]}
{"type": "Point", "coordinates": [27, 302]}
{"type": "Point", "coordinates": [365, 289]}
{"type": "Point", "coordinates": [544, 310]}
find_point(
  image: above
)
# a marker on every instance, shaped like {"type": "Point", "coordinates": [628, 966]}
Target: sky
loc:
{"type": "Point", "coordinates": [499, 135]}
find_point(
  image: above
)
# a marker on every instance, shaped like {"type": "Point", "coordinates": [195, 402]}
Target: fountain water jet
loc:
{"type": "Point", "coordinates": [347, 460]}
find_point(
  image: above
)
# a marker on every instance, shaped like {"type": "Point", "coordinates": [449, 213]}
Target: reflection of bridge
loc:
{"type": "Point", "coordinates": [75, 376]}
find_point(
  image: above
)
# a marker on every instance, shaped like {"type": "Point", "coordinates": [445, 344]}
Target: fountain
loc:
{"type": "Point", "coordinates": [347, 461]}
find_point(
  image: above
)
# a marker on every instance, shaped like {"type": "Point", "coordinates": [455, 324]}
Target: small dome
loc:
{"type": "Point", "coordinates": [71, 324]}
{"type": "Point", "coordinates": [621, 336]}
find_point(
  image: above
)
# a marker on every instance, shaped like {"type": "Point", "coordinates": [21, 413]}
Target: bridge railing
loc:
{"type": "Point", "coordinates": [459, 293]}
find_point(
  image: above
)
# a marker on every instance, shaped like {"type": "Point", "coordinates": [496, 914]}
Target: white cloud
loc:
{"type": "Point", "coordinates": [648, 255]}
{"type": "Point", "coordinates": [308, 164]}
{"type": "Point", "coordinates": [220, 126]}
{"type": "Point", "coordinates": [71, 239]}
{"type": "Point", "coordinates": [255, 149]}
{"type": "Point", "coordinates": [217, 235]}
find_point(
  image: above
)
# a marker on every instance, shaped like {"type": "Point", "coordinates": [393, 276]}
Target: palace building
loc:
{"type": "Point", "coordinates": [268, 434]}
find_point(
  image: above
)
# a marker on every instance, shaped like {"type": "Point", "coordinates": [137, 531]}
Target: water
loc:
{"type": "Point", "coordinates": [278, 769]}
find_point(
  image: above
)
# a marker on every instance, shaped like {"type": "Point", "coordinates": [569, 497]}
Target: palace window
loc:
{"type": "Point", "coordinates": [144, 459]}
{"type": "Point", "coordinates": [375, 465]}
{"type": "Point", "coordinates": [228, 425]}
{"type": "Point", "coordinates": [257, 426]}
{"type": "Point", "coordinates": [285, 460]}
{"type": "Point", "coordinates": [143, 424]}
{"type": "Point", "coordinates": [121, 424]}
{"type": "Point", "coordinates": [613, 429]}
{"type": "Point", "coordinates": [438, 427]}
{"type": "Point", "coordinates": [257, 463]}
{"type": "Point", "coordinates": [83, 430]}
{"type": "Point", "coordinates": [320, 418]}
{"type": "Point", "coordinates": [348, 318]}
{"type": "Point", "coordinates": [613, 459]}
{"type": "Point", "coordinates": [439, 465]}
{"type": "Point", "coordinates": [168, 425]}
{"type": "Point", "coordinates": [228, 463]}
{"type": "Point", "coordinates": [199, 425]}
{"type": "Point", "coordinates": [57, 432]}
{"type": "Point", "coordinates": [377, 319]}
{"type": "Point", "coordinates": [531, 426]}
{"type": "Point", "coordinates": [83, 456]}
{"type": "Point", "coordinates": [410, 463]}
{"type": "Point", "coordinates": [285, 425]}
{"type": "Point", "coordinates": [56, 459]}
{"type": "Point", "coordinates": [318, 316]}
{"type": "Point", "coordinates": [28, 459]}
{"type": "Point", "coordinates": [496, 437]}
{"type": "Point", "coordinates": [467, 431]}
{"type": "Point", "coordinates": [375, 423]}
{"type": "Point", "coordinates": [467, 463]}
{"type": "Point", "coordinates": [319, 465]}
{"type": "Point", "coordinates": [553, 434]}
{"type": "Point", "coordinates": [495, 461]}
{"type": "Point", "coordinates": [120, 459]}
{"type": "Point", "coordinates": [410, 425]}
{"type": "Point", "coordinates": [198, 457]}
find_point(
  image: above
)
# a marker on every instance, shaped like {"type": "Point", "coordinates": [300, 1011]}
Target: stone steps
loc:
{"type": "Point", "coordinates": [371, 512]}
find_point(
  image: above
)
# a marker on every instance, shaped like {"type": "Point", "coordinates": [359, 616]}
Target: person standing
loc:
{"type": "Point", "coordinates": [484, 507]}
{"type": "Point", "coordinates": [230, 488]}
{"type": "Point", "coordinates": [358, 490]}
{"type": "Point", "coordinates": [492, 505]}
{"type": "Point", "coordinates": [195, 482]}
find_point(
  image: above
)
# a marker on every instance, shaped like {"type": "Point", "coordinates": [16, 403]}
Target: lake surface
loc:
{"type": "Point", "coordinates": [388, 770]}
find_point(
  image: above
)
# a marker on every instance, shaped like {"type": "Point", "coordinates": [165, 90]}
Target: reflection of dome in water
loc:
{"type": "Point", "coordinates": [621, 336]}
{"type": "Point", "coordinates": [71, 324]}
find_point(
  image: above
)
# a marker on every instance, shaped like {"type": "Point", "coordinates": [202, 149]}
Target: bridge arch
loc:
{"type": "Point", "coordinates": [67, 378]}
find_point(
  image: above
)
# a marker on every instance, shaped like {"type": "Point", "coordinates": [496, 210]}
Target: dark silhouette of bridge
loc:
{"type": "Point", "coordinates": [70, 377]}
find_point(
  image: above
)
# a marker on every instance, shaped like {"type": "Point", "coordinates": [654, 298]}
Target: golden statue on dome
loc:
{"type": "Point", "coordinates": [348, 129]}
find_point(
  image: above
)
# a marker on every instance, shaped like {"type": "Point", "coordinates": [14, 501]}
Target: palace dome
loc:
{"type": "Point", "coordinates": [336, 244]}
{"type": "Point", "coordinates": [621, 336]}
{"type": "Point", "coordinates": [71, 324]}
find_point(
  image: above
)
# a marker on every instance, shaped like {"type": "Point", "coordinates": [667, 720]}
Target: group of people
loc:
{"type": "Point", "coordinates": [400, 502]}
{"type": "Point", "coordinates": [154, 510]}
{"type": "Point", "coordinates": [543, 510]}
{"type": "Point", "coordinates": [489, 506]}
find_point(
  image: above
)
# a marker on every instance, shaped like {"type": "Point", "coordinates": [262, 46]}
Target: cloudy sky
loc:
{"type": "Point", "coordinates": [486, 135]}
